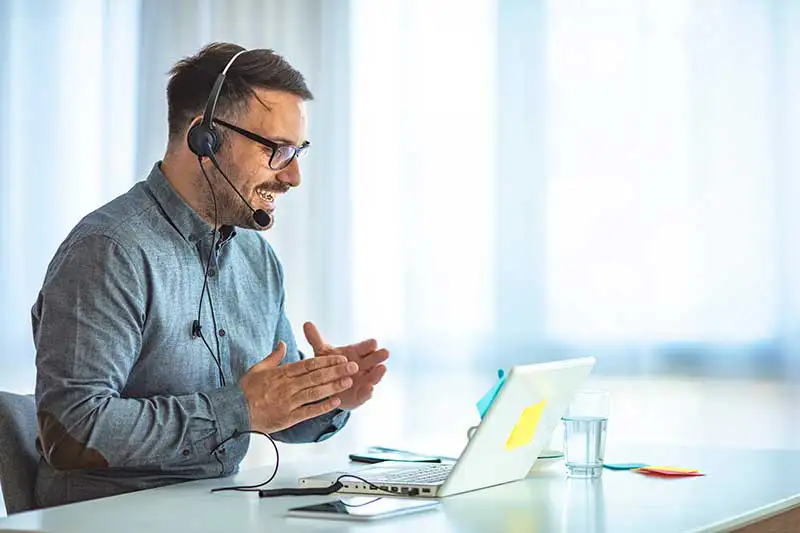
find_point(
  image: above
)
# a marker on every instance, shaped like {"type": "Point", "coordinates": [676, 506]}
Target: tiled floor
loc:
{"type": "Point", "coordinates": [431, 414]}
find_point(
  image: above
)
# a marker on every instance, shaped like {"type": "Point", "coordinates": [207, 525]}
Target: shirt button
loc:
{"type": "Point", "coordinates": [221, 332]}
{"type": "Point", "coordinates": [222, 451]}
{"type": "Point", "coordinates": [211, 272]}
{"type": "Point", "coordinates": [186, 453]}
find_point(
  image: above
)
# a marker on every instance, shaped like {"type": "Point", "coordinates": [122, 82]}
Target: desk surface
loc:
{"type": "Point", "coordinates": [740, 487]}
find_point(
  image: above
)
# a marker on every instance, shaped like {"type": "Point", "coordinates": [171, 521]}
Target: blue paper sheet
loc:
{"type": "Point", "coordinates": [486, 401]}
{"type": "Point", "coordinates": [624, 466]}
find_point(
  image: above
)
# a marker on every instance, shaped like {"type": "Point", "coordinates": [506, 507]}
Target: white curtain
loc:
{"type": "Point", "coordinates": [665, 164]}
{"type": "Point", "coordinates": [490, 182]}
{"type": "Point", "coordinates": [571, 177]}
{"type": "Point", "coordinates": [423, 179]}
{"type": "Point", "coordinates": [672, 205]}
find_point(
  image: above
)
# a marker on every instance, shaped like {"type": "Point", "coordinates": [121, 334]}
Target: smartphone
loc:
{"type": "Point", "coordinates": [377, 454]}
{"type": "Point", "coordinates": [363, 508]}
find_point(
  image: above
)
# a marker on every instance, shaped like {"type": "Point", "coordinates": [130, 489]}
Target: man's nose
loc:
{"type": "Point", "coordinates": [291, 174]}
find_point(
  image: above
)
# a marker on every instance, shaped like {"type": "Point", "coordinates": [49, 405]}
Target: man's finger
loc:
{"type": "Point", "coordinates": [315, 409]}
{"type": "Point", "coordinates": [364, 347]}
{"type": "Point", "coordinates": [365, 394]}
{"type": "Point", "coordinates": [275, 358]}
{"type": "Point", "coordinates": [324, 375]}
{"type": "Point", "coordinates": [314, 338]}
{"type": "Point", "coordinates": [305, 366]}
{"type": "Point", "coordinates": [373, 359]}
{"type": "Point", "coordinates": [315, 394]}
{"type": "Point", "coordinates": [374, 376]}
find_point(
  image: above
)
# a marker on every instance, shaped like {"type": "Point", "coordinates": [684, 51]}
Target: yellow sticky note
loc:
{"type": "Point", "coordinates": [675, 469]}
{"type": "Point", "coordinates": [525, 428]}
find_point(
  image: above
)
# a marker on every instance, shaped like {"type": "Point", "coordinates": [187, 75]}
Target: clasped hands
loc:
{"type": "Point", "coordinates": [280, 396]}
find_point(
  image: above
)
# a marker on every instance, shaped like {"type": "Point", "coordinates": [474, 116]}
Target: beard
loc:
{"type": "Point", "coordinates": [221, 204]}
{"type": "Point", "coordinates": [230, 209]}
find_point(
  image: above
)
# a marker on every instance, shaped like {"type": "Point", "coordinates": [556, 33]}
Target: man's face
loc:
{"type": "Point", "coordinates": [279, 117]}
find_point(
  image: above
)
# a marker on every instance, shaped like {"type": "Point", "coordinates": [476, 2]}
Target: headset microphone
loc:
{"type": "Point", "coordinates": [262, 218]}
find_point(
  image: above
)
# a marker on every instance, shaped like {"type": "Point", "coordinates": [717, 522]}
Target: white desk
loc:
{"type": "Point", "coordinates": [741, 487]}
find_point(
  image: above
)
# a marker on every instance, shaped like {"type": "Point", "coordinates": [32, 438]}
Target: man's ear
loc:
{"type": "Point", "coordinates": [194, 122]}
{"type": "Point", "coordinates": [202, 142]}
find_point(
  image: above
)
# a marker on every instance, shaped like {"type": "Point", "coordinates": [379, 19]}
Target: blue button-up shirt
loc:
{"type": "Point", "coordinates": [127, 398]}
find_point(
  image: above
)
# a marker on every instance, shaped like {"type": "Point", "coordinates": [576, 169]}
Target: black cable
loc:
{"type": "Point", "coordinates": [219, 366]}
{"type": "Point", "coordinates": [249, 488]}
{"type": "Point", "coordinates": [360, 504]}
{"type": "Point", "coordinates": [321, 491]}
{"type": "Point", "coordinates": [216, 336]}
{"type": "Point", "coordinates": [218, 357]}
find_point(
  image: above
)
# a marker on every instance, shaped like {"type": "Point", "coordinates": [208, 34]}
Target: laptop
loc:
{"type": "Point", "coordinates": [514, 430]}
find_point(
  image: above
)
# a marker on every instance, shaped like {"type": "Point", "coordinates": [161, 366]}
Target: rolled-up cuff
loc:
{"type": "Point", "coordinates": [336, 421]}
{"type": "Point", "coordinates": [230, 410]}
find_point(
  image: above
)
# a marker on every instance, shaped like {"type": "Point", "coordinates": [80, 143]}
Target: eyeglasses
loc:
{"type": "Point", "coordinates": [282, 154]}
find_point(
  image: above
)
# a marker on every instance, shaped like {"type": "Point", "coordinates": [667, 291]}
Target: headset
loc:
{"type": "Point", "coordinates": [204, 140]}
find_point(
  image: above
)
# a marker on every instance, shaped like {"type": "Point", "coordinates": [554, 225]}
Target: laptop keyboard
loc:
{"type": "Point", "coordinates": [427, 475]}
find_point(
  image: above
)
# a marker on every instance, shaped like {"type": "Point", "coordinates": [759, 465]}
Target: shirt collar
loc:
{"type": "Point", "coordinates": [185, 219]}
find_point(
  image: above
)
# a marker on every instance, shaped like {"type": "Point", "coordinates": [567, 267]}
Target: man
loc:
{"type": "Point", "coordinates": [151, 328]}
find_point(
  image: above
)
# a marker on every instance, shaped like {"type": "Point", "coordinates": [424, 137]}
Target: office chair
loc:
{"type": "Point", "coordinates": [18, 455]}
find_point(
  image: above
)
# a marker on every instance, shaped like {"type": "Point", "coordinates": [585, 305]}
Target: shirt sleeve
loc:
{"type": "Point", "coordinates": [87, 325]}
{"type": "Point", "coordinates": [315, 429]}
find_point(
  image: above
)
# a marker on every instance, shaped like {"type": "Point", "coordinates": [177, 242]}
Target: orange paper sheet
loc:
{"type": "Point", "coordinates": [668, 471]}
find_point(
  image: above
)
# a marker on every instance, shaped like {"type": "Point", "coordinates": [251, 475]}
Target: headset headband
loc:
{"type": "Point", "coordinates": [211, 105]}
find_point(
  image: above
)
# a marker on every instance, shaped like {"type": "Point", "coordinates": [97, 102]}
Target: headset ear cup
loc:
{"type": "Point", "coordinates": [202, 140]}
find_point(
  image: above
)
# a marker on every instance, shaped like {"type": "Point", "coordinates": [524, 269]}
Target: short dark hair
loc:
{"type": "Point", "coordinates": [192, 78]}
